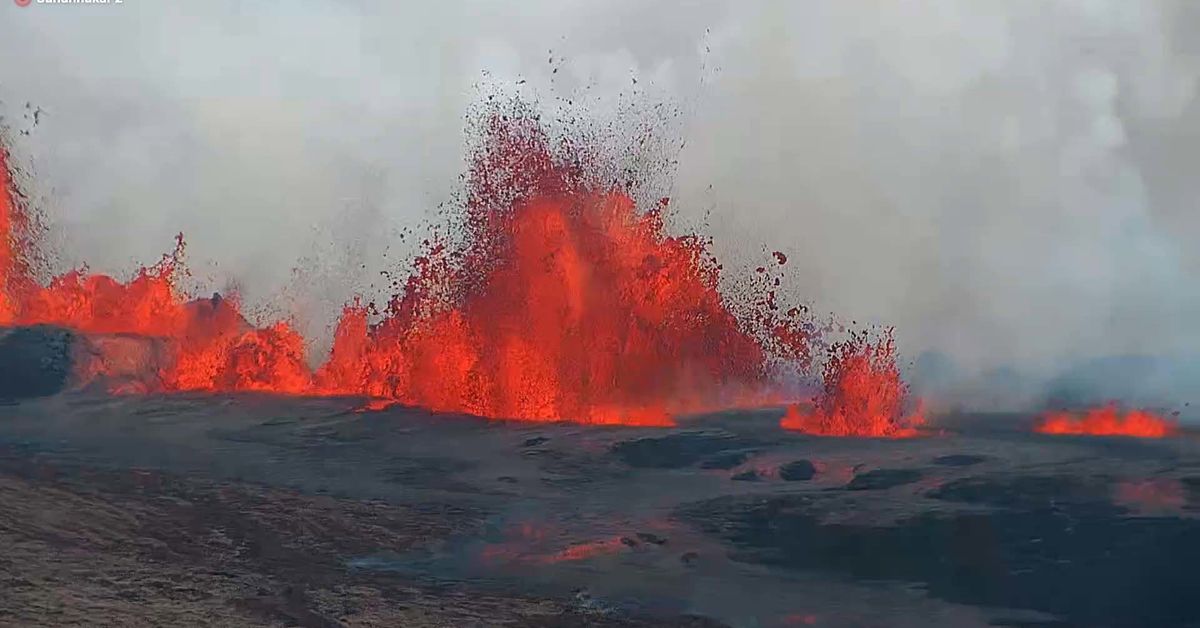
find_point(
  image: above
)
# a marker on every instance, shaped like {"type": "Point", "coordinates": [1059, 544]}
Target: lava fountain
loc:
{"type": "Point", "coordinates": [862, 393]}
{"type": "Point", "coordinates": [1108, 420]}
{"type": "Point", "coordinates": [560, 299]}
{"type": "Point", "coordinates": [564, 300]}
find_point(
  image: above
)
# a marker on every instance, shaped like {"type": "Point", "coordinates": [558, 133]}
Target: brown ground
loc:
{"type": "Point", "coordinates": [195, 510]}
{"type": "Point", "coordinates": [85, 547]}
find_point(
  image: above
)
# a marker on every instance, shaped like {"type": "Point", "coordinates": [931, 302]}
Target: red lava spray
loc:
{"type": "Point", "coordinates": [862, 393]}
{"type": "Point", "coordinates": [560, 300]}
{"type": "Point", "coordinates": [1107, 420]}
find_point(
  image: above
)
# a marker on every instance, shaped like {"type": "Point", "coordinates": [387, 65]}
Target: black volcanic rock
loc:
{"type": "Point", "coordinates": [1032, 492]}
{"type": "Point", "coordinates": [34, 361]}
{"type": "Point", "coordinates": [958, 460]}
{"type": "Point", "coordinates": [1192, 486]}
{"type": "Point", "coordinates": [880, 479]}
{"type": "Point", "coordinates": [676, 451]}
{"type": "Point", "coordinates": [726, 460]}
{"type": "Point", "coordinates": [797, 471]}
{"type": "Point", "coordinates": [1052, 544]}
{"type": "Point", "coordinates": [43, 360]}
{"type": "Point", "coordinates": [746, 476]}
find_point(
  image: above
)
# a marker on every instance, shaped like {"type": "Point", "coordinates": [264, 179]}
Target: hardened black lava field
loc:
{"type": "Point", "coordinates": [276, 511]}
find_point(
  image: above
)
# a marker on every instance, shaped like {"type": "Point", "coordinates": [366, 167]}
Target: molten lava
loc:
{"type": "Point", "coordinates": [1108, 420]}
{"type": "Point", "coordinates": [560, 300]}
{"type": "Point", "coordinates": [15, 278]}
{"type": "Point", "coordinates": [213, 347]}
{"type": "Point", "coordinates": [590, 313]}
{"type": "Point", "coordinates": [545, 544]}
{"type": "Point", "coordinates": [862, 394]}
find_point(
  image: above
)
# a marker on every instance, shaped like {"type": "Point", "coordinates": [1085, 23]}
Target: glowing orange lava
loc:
{"type": "Point", "coordinates": [594, 315]}
{"type": "Point", "coordinates": [564, 301]}
{"type": "Point", "coordinates": [1107, 420]}
{"type": "Point", "coordinates": [587, 550]}
{"type": "Point", "coordinates": [7, 255]}
{"type": "Point", "coordinates": [15, 278]}
{"type": "Point", "coordinates": [560, 300]}
{"type": "Point", "coordinates": [541, 543]}
{"type": "Point", "coordinates": [862, 394]}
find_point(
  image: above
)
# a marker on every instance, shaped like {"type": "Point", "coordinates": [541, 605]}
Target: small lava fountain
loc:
{"type": "Point", "coordinates": [1107, 420]}
{"type": "Point", "coordinates": [862, 394]}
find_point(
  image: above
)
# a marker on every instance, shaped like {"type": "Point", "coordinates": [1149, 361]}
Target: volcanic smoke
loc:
{"type": "Point", "coordinates": [561, 300]}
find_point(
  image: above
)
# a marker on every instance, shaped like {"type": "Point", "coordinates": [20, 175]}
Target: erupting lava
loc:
{"type": "Point", "coordinates": [862, 394]}
{"type": "Point", "coordinates": [15, 276]}
{"type": "Point", "coordinates": [211, 345]}
{"type": "Point", "coordinates": [1107, 421]}
{"type": "Point", "coordinates": [561, 301]}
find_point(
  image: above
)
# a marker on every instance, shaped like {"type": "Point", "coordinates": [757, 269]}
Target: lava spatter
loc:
{"type": "Point", "coordinates": [564, 300]}
{"type": "Point", "coordinates": [558, 299]}
{"type": "Point", "coordinates": [862, 393]}
{"type": "Point", "coordinates": [1107, 420]}
{"type": "Point", "coordinates": [16, 278]}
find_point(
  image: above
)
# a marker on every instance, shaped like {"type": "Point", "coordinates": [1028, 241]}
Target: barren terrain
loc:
{"type": "Point", "coordinates": [267, 511]}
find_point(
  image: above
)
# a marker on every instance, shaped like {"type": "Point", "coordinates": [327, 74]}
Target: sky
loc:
{"type": "Point", "coordinates": [1007, 182]}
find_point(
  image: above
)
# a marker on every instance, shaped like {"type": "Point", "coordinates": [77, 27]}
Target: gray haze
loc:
{"type": "Point", "coordinates": [1007, 182]}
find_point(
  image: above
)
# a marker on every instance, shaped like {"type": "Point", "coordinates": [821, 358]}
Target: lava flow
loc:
{"type": "Point", "coordinates": [1107, 420]}
{"type": "Point", "coordinates": [862, 394]}
{"type": "Point", "coordinates": [561, 300]}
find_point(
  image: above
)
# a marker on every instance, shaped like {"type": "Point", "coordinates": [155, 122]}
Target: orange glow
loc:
{"type": "Point", "coordinates": [542, 543]}
{"type": "Point", "coordinates": [146, 305]}
{"type": "Point", "coordinates": [564, 301]}
{"type": "Point", "coordinates": [375, 405]}
{"type": "Point", "coordinates": [594, 315]}
{"type": "Point", "coordinates": [1107, 420]}
{"type": "Point", "coordinates": [862, 394]}
{"type": "Point", "coordinates": [584, 551]}
{"type": "Point", "coordinates": [7, 254]}
{"type": "Point", "coordinates": [561, 300]}
{"type": "Point", "coordinates": [16, 280]}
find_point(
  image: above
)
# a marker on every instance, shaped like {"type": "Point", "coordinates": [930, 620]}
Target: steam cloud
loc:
{"type": "Point", "coordinates": [1008, 183]}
